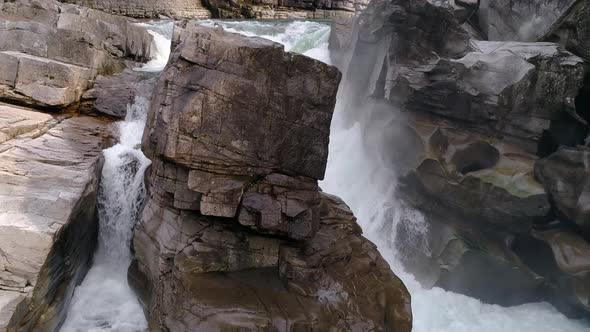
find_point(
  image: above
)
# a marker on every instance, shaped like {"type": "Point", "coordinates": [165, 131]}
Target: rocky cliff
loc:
{"type": "Point", "coordinates": [50, 153]}
{"type": "Point", "coordinates": [236, 233]}
{"type": "Point", "coordinates": [201, 9]}
{"type": "Point", "coordinates": [49, 171]}
{"type": "Point", "coordinates": [489, 101]}
{"type": "Point", "coordinates": [148, 8]}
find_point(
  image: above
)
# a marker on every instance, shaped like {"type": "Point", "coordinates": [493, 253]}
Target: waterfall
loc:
{"type": "Point", "coordinates": [357, 172]}
{"type": "Point", "coordinates": [104, 301]}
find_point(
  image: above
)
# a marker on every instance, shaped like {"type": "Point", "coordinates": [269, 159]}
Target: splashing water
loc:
{"type": "Point", "coordinates": [357, 173]}
{"type": "Point", "coordinates": [161, 31]}
{"type": "Point", "coordinates": [104, 301]}
{"type": "Point", "coordinates": [305, 37]}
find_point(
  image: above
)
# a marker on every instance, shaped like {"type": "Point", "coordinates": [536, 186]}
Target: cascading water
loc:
{"type": "Point", "coordinates": [357, 173]}
{"type": "Point", "coordinates": [104, 301]}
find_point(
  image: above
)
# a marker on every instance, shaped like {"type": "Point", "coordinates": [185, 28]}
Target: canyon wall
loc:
{"type": "Point", "coordinates": [202, 9]}
{"type": "Point", "coordinates": [148, 8]}
{"type": "Point", "coordinates": [50, 153]}
{"type": "Point", "coordinates": [487, 135]}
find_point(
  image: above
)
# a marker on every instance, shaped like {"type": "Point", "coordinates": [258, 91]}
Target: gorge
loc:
{"type": "Point", "coordinates": [456, 142]}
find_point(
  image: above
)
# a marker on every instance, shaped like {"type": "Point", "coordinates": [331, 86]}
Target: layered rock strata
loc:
{"type": "Point", "coordinates": [235, 221]}
{"type": "Point", "coordinates": [474, 105]}
{"type": "Point", "coordinates": [203, 9]}
{"type": "Point", "coordinates": [50, 53]}
{"type": "Point", "coordinates": [176, 9]}
{"type": "Point", "coordinates": [49, 173]}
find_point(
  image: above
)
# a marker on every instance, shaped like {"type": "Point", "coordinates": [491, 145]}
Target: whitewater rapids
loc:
{"type": "Point", "coordinates": [356, 173]}
{"type": "Point", "coordinates": [104, 301]}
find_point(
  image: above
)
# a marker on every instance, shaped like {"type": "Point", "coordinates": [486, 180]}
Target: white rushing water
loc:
{"type": "Point", "coordinates": [357, 173]}
{"type": "Point", "coordinates": [104, 301]}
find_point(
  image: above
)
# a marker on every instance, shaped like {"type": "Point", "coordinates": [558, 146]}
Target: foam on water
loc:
{"type": "Point", "coordinates": [305, 37]}
{"type": "Point", "coordinates": [161, 31]}
{"type": "Point", "coordinates": [357, 173]}
{"type": "Point", "coordinates": [104, 301]}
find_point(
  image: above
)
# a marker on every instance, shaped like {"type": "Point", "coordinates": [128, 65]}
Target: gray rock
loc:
{"type": "Point", "coordinates": [112, 94]}
{"type": "Point", "coordinates": [49, 173]}
{"type": "Point", "coordinates": [564, 175]}
{"type": "Point", "coordinates": [563, 21]}
{"type": "Point", "coordinates": [59, 49]}
{"type": "Point", "coordinates": [504, 89]}
{"type": "Point", "coordinates": [462, 122]}
{"type": "Point", "coordinates": [148, 8]}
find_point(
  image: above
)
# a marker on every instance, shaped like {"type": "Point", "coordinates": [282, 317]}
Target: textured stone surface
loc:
{"type": "Point", "coordinates": [111, 94]}
{"type": "Point", "coordinates": [512, 90]}
{"type": "Point", "coordinates": [564, 21]}
{"type": "Point", "coordinates": [235, 220]}
{"type": "Point", "coordinates": [282, 9]}
{"type": "Point", "coordinates": [49, 173]}
{"type": "Point", "coordinates": [466, 121]}
{"type": "Point", "coordinates": [565, 175]}
{"type": "Point", "coordinates": [50, 52]}
{"type": "Point", "coordinates": [250, 111]}
{"type": "Point", "coordinates": [148, 8]}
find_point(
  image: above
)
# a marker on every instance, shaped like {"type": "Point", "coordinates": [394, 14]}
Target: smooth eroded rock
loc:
{"type": "Point", "coordinates": [49, 172]}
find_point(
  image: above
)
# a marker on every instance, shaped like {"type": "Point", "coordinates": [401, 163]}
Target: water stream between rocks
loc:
{"type": "Point", "coordinates": [105, 302]}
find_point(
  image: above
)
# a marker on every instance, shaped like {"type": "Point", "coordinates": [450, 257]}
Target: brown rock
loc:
{"type": "Point", "coordinates": [235, 222]}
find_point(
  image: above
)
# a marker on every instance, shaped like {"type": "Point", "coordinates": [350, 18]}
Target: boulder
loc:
{"type": "Point", "coordinates": [564, 175]}
{"type": "Point", "coordinates": [52, 52]}
{"type": "Point", "coordinates": [49, 172]}
{"type": "Point", "coordinates": [238, 133]}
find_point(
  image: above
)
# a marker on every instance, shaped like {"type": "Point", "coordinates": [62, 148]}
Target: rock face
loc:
{"type": "Point", "coordinates": [49, 172]}
{"type": "Point", "coordinates": [238, 135]}
{"type": "Point", "coordinates": [50, 52]}
{"type": "Point", "coordinates": [565, 176]}
{"type": "Point", "coordinates": [281, 9]}
{"type": "Point", "coordinates": [563, 21]}
{"type": "Point", "coordinates": [148, 8]}
{"type": "Point", "coordinates": [111, 94]}
{"type": "Point", "coordinates": [470, 121]}
{"type": "Point", "coordinates": [203, 9]}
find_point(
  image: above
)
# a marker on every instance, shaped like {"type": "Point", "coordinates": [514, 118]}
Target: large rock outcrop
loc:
{"type": "Point", "coordinates": [235, 221]}
{"type": "Point", "coordinates": [50, 53]}
{"type": "Point", "coordinates": [202, 9]}
{"type": "Point", "coordinates": [176, 9]}
{"type": "Point", "coordinates": [564, 21]}
{"type": "Point", "coordinates": [467, 121]}
{"type": "Point", "coordinates": [49, 172]}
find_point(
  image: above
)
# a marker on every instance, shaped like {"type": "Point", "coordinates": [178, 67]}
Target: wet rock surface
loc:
{"type": "Point", "coordinates": [49, 172]}
{"type": "Point", "coordinates": [488, 127]}
{"type": "Point", "coordinates": [235, 221]}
